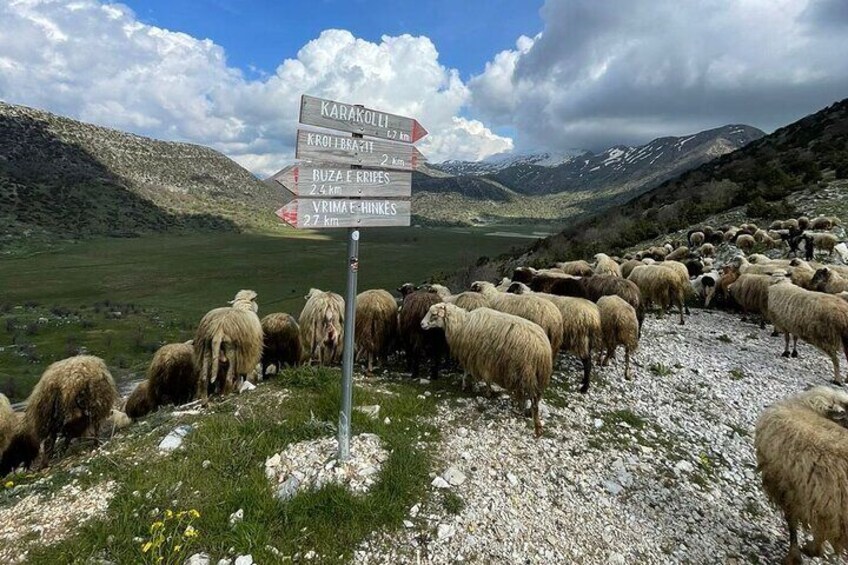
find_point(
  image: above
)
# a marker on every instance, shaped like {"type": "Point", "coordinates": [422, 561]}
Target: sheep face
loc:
{"type": "Point", "coordinates": [435, 317]}
{"type": "Point", "coordinates": [405, 289]}
{"type": "Point", "coordinates": [518, 288]}
{"type": "Point", "coordinates": [822, 277]}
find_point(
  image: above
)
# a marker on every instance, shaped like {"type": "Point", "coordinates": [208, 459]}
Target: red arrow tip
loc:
{"type": "Point", "coordinates": [288, 213]}
{"type": "Point", "coordinates": [418, 131]}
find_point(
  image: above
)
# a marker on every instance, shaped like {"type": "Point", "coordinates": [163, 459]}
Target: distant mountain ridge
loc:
{"type": "Point", "coordinates": [498, 163]}
{"type": "Point", "coordinates": [569, 184]}
{"type": "Point", "coordinates": [68, 178]}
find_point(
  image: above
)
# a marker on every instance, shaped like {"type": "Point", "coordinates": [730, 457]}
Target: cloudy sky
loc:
{"type": "Point", "coordinates": [484, 76]}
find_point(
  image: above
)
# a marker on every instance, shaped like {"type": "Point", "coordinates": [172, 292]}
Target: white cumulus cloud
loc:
{"type": "Point", "coordinates": [97, 62]}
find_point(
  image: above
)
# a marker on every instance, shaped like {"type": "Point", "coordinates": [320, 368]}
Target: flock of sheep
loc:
{"type": "Point", "coordinates": [510, 334]}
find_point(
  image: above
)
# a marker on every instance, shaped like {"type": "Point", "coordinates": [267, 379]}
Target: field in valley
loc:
{"type": "Point", "coordinates": [122, 298]}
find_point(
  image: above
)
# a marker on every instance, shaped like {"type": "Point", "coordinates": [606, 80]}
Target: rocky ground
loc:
{"type": "Point", "coordinates": [659, 469]}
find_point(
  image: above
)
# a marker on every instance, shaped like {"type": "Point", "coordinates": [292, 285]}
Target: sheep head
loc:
{"type": "Point", "coordinates": [482, 287]}
{"type": "Point", "coordinates": [406, 288]}
{"type": "Point", "coordinates": [435, 317]}
{"type": "Point", "coordinates": [518, 288]}
{"type": "Point", "coordinates": [821, 278]}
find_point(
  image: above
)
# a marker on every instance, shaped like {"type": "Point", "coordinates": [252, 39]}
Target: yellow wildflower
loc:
{"type": "Point", "coordinates": [146, 547]}
{"type": "Point", "coordinates": [9, 484]}
{"type": "Point", "coordinates": [190, 532]}
{"type": "Point", "coordinates": [161, 558]}
{"type": "Point", "coordinates": [181, 513]}
{"type": "Point", "coordinates": [177, 548]}
{"type": "Point", "coordinates": [156, 526]}
{"type": "Point", "coordinates": [194, 513]}
{"type": "Point", "coordinates": [168, 514]}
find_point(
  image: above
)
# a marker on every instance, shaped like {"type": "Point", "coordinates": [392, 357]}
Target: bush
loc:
{"type": "Point", "coordinates": [759, 208]}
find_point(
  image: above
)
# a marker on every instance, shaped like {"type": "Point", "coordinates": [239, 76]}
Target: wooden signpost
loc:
{"type": "Point", "coordinates": [333, 190]}
{"type": "Point", "coordinates": [317, 146]}
{"type": "Point", "coordinates": [316, 213]}
{"type": "Point", "coordinates": [330, 181]}
{"type": "Point", "coordinates": [358, 119]}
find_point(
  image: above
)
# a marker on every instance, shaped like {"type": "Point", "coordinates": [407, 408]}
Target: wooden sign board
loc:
{"type": "Point", "coordinates": [317, 146]}
{"type": "Point", "coordinates": [358, 119]}
{"type": "Point", "coordinates": [323, 213]}
{"type": "Point", "coordinates": [327, 180]}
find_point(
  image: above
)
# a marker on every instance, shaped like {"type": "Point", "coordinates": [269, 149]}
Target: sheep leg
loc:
{"type": "Point", "coordinates": [837, 378]}
{"type": "Point", "coordinates": [762, 323]}
{"type": "Point", "coordinates": [414, 360]}
{"type": "Point", "coordinates": [537, 421]}
{"type": "Point", "coordinates": [370, 363]}
{"type": "Point", "coordinates": [786, 345]}
{"type": "Point", "coordinates": [813, 548]}
{"type": "Point", "coordinates": [680, 306]}
{"type": "Point", "coordinates": [794, 345]}
{"type": "Point", "coordinates": [627, 363]}
{"type": "Point", "coordinates": [587, 373]}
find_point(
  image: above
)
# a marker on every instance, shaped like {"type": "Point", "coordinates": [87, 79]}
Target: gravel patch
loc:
{"type": "Point", "coordinates": [659, 469]}
{"type": "Point", "coordinates": [47, 519]}
{"type": "Point", "coordinates": [312, 464]}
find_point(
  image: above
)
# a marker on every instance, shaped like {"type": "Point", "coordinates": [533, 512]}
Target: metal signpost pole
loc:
{"type": "Point", "coordinates": [332, 190]}
{"type": "Point", "coordinates": [347, 355]}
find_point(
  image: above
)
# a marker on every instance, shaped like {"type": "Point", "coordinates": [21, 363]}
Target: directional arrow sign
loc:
{"type": "Point", "coordinates": [340, 181]}
{"type": "Point", "coordinates": [358, 119]}
{"type": "Point", "coordinates": [317, 146]}
{"type": "Point", "coordinates": [320, 213]}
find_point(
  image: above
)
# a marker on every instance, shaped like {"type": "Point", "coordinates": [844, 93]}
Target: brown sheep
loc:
{"type": "Point", "coordinates": [416, 342]}
{"type": "Point", "coordinates": [322, 326]}
{"type": "Point", "coordinates": [376, 328]}
{"type": "Point", "coordinates": [801, 445]}
{"type": "Point", "coordinates": [73, 397]}
{"type": "Point", "coordinates": [281, 342]}
{"type": "Point", "coordinates": [576, 268]}
{"type": "Point", "coordinates": [8, 423]}
{"type": "Point", "coordinates": [619, 326]}
{"type": "Point", "coordinates": [228, 345]}
{"type": "Point", "coordinates": [140, 402]}
{"type": "Point", "coordinates": [751, 293]}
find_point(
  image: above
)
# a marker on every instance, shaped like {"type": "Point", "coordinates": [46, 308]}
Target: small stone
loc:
{"type": "Point", "coordinates": [309, 555]}
{"type": "Point", "coordinates": [684, 467]}
{"type": "Point", "coordinates": [288, 489]}
{"type": "Point", "coordinates": [273, 461]}
{"type": "Point", "coordinates": [462, 432]}
{"type": "Point", "coordinates": [407, 524]}
{"type": "Point", "coordinates": [445, 531]}
{"type": "Point", "coordinates": [246, 386]}
{"type": "Point", "coordinates": [387, 420]}
{"type": "Point", "coordinates": [225, 561]}
{"type": "Point", "coordinates": [454, 476]}
{"type": "Point", "coordinates": [174, 440]}
{"type": "Point", "coordinates": [413, 512]}
{"type": "Point", "coordinates": [244, 560]}
{"type": "Point", "coordinates": [616, 559]}
{"type": "Point", "coordinates": [613, 487]}
{"type": "Point", "coordinates": [423, 381]}
{"type": "Point", "coordinates": [439, 482]}
{"type": "Point", "coordinates": [198, 559]}
{"type": "Point", "coordinates": [236, 517]}
{"type": "Point", "coordinates": [371, 411]}
{"type": "Point", "coordinates": [513, 480]}
{"type": "Point", "coordinates": [598, 423]}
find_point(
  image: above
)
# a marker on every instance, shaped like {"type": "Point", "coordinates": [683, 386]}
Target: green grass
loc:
{"type": "Point", "coordinates": [660, 369]}
{"type": "Point", "coordinates": [330, 521]}
{"type": "Point", "coordinates": [164, 284]}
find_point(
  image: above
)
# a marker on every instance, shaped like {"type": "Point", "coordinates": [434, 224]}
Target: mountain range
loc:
{"type": "Point", "coordinates": [64, 178]}
{"type": "Point", "coordinates": [545, 186]}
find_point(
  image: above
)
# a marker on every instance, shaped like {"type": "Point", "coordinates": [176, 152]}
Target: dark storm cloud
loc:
{"type": "Point", "coordinates": [603, 73]}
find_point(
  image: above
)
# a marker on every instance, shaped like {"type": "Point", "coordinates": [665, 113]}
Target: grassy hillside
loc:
{"type": "Point", "coordinates": [62, 178]}
{"type": "Point", "coordinates": [805, 155]}
{"type": "Point", "coordinates": [121, 298]}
